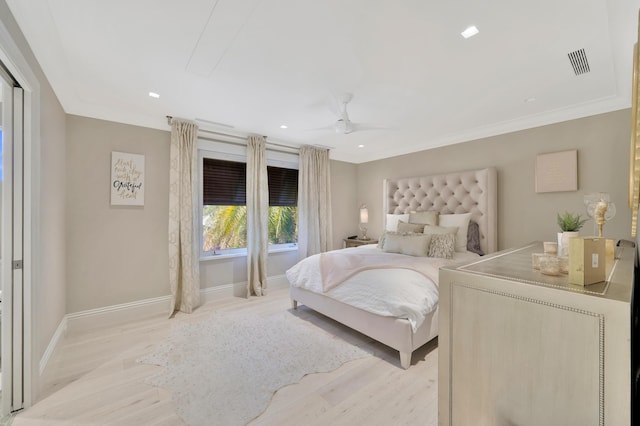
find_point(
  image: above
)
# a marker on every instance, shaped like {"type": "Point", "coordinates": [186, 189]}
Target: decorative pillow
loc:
{"type": "Point", "coordinates": [442, 245]}
{"type": "Point", "coordinates": [427, 218]}
{"type": "Point", "coordinates": [392, 221]}
{"type": "Point", "coordinates": [473, 238]}
{"type": "Point", "coordinates": [428, 229]}
{"type": "Point", "coordinates": [462, 222]}
{"type": "Point", "coordinates": [383, 237]}
{"type": "Point", "coordinates": [409, 244]}
{"type": "Point", "coordinates": [410, 227]}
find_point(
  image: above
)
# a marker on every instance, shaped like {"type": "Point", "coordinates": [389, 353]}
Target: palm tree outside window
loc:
{"type": "Point", "coordinates": [224, 218]}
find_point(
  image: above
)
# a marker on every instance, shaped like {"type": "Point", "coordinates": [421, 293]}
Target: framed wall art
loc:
{"type": "Point", "coordinates": [557, 171]}
{"type": "Point", "coordinates": [127, 179]}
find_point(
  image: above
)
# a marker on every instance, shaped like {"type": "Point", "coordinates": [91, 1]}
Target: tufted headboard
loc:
{"type": "Point", "coordinates": [474, 191]}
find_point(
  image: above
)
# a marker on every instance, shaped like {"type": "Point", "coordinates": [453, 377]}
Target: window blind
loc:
{"type": "Point", "coordinates": [225, 184]}
{"type": "Point", "coordinates": [283, 186]}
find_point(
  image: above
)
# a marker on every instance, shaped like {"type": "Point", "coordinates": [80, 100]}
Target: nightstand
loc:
{"type": "Point", "coordinates": [353, 242]}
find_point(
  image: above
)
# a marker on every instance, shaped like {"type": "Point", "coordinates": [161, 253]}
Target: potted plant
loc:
{"type": "Point", "coordinates": [569, 224]}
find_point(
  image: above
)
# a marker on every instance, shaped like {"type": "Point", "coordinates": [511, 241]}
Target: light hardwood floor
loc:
{"type": "Point", "coordinates": [95, 379]}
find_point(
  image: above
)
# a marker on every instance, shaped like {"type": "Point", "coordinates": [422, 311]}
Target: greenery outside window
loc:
{"type": "Point", "coordinates": [224, 212]}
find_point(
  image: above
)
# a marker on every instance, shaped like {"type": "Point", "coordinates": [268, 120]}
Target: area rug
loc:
{"type": "Point", "coordinates": [226, 369]}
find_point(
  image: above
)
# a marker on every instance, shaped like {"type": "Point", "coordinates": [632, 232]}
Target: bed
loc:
{"type": "Point", "coordinates": [469, 193]}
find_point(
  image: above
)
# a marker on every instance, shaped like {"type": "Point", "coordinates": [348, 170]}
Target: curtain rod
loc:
{"type": "Point", "coordinates": [242, 140]}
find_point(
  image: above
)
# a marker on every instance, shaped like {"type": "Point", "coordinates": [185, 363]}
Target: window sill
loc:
{"type": "Point", "coordinates": [243, 253]}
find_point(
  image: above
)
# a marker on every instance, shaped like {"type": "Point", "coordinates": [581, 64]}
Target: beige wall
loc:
{"type": "Point", "coordinates": [602, 142]}
{"type": "Point", "coordinates": [49, 233]}
{"type": "Point", "coordinates": [115, 254]}
{"type": "Point", "coordinates": [344, 201]}
{"type": "Point", "coordinates": [119, 254]}
{"type": "Point", "coordinates": [49, 297]}
{"type": "Point", "coordinates": [233, 270]}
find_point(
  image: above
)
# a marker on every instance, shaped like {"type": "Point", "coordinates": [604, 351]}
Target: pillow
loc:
{"type": "Point", "coordinates": [427, 218]}
{"type": "Point", "coordinates": [473, 238]}
{"type": "Point", "coordinates": [410, 244]}
{"type": "Point", "coordinates": [442, 245]}
{"type": "Point", "coordinates": [429, 229]}
{"type": "Point", "coordinates": [462, 222]}
{"type": "Point", "coordinates": [410, 227]}
{"type": "Point", "coordinates": [392, 221]}
{"type": "Point", "coordinates": [383, 237]}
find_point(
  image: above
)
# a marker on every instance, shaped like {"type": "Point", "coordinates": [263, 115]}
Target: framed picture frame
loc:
{"type": "Point", "coordinates": [127, 179]}
{"type": "Point", "coordinates": [557, 171]}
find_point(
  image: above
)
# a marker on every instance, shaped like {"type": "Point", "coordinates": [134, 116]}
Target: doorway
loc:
{"type": "Point", "coordinates": [11, 244]}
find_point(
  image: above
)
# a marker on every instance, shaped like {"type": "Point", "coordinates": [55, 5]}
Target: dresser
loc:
{"type": "Point", "coordinates": [517, 347]}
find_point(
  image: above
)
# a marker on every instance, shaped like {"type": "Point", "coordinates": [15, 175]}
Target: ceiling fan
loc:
{"type": "Point", "coordinates": [343, 124]}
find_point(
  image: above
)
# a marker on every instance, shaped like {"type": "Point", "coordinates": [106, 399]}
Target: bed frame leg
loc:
{"type": "Point", "coordinates": [294, 304]}
{"type": "Point", "coordinates": [405, 359]}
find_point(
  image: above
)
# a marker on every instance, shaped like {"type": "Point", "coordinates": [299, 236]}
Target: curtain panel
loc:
{"type": "Point", "coordinates": [183, 218]}
{"type": "Point", "coordinates": [314, 202]}
{"type": "Point", "coordinates": [257, 216]}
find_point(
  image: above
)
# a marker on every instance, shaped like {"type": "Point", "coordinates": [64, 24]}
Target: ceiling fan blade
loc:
{"type": "Point", "coordinates": [338, 104]}
{"type": "Point", "coordinates": [361, 127]}
{"type": "Point", "coordinates": [331, 127]}
{"type": "Point", "coordinates": [340, 127]}
{"type": "Point", "coordinates": [333, 104]}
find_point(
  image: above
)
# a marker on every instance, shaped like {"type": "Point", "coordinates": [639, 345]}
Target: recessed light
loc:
{"type": "Point", "coordinates": [154, 95]}
{"type": "Point", "coordinates": [284, 126]}
{"type": "Point", "coordinates": [470, 32]}
{"type": "Point", "coordinates": [360, 146]}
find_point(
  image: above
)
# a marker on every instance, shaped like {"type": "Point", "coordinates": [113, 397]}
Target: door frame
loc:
{"type": "Point", "coordinates": [15, 62]}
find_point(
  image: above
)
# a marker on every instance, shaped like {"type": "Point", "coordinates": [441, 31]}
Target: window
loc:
{"type": "Point", "coordinates": [224, 211]}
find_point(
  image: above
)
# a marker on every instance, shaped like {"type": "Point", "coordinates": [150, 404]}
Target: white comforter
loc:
{"type": "Point", "coordinates": [397, 292]}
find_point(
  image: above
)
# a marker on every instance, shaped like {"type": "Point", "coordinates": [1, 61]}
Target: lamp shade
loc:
{"type": "Point", "coordinates": [364, 214]}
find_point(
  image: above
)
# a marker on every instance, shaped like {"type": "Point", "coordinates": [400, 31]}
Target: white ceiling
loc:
{"type": "Point", "coordinates": [258, 64]}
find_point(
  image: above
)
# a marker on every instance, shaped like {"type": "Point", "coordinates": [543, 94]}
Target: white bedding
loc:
{"type": "Point", "coordinates": [397, 292]}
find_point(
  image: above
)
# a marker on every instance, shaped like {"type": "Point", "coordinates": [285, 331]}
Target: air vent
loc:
{"type": "Point", "coordinates": [579, 61]}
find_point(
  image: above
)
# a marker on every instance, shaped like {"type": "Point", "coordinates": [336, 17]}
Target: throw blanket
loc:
{"type": "Point", "coordinates": [385, 284]}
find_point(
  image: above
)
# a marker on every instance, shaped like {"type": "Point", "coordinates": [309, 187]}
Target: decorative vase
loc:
{"type": "Point", "coordinates": [559, 244]}
{"type": "Point", "coordinates": [563, 241]}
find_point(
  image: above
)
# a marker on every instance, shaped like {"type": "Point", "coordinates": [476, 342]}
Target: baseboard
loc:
{"type": "Point", "coordinates": [240, 289]}
{"type": "Point", "coordinates": [142, 309]}
{"type": "Point", "coordinates": [117, 314]}
{"type": "Point", "coordinates": [53, 344]}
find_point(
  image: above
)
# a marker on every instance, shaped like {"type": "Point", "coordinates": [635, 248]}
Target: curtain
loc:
{"type": "Point", "coordinates": [314, 202]}
{"type": "Point", "coordinates": [183, 217]}
{"type": "Point", "coordinates": [257, 216]}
